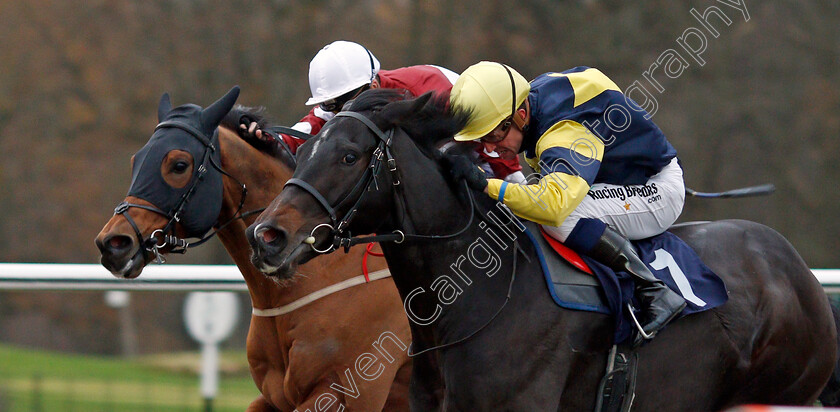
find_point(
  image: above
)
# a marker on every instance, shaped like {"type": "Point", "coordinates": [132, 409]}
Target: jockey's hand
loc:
{"type": "Point", "coordinates": [462, 168]}
{"type": "Point", "coordinates": [249, 129]}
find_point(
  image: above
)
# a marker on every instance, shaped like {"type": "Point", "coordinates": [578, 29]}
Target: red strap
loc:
{"type": "Point", "coordinates": [368, 251]}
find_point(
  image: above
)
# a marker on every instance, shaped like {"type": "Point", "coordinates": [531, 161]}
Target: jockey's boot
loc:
{"type": "Point", "coordinates": [660, 303]}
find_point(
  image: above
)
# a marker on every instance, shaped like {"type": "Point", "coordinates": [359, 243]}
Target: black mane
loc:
{"type": "Point", "coordinates": [432, 125]}
{"type": "Point", "coordinates": [375, 99]}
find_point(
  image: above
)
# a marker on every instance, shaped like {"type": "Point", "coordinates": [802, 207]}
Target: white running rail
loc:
{"type": "Point", "coordinates": [57, 276]}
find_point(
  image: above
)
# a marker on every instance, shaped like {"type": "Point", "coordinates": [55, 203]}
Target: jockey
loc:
{"type": "Point", "coordinates": [342, 70]}
{"type": "Point", "coordinates": [606, 171]}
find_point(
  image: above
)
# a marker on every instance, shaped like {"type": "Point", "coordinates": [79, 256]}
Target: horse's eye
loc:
{"type": "Point", "coordinates": [349, 159]}
{"type": "Point", "coordinates": [180, 167]}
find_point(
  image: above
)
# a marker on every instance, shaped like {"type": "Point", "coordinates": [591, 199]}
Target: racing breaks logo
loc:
{"type": "Point", "coordinates": [624, 193]}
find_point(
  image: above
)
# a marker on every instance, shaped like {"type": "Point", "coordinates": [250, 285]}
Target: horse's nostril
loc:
{"type": "Point", "coordinates": [270, 235]}
{"type": "Point", "coordinates": [117, 243]}
{"type": "Point", "coordinates": [266, 239]}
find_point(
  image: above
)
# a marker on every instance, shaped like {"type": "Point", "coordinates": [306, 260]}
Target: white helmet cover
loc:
{"type": "Point", "coordinates": [338, 68]}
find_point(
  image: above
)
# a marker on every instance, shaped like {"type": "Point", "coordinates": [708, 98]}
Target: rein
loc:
{"type": "Point", "coordinates": [161, 238]}
{"type": "Point", "coordinates": [368, 180]}
{"type": "Point", "coordinates": [275, 131]}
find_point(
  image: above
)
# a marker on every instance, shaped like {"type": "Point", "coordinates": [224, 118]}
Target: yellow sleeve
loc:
{"type": "Point", "coordinates": [569, 159]}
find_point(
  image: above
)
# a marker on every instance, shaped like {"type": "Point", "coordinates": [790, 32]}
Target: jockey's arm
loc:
{"type": "Point", "coordinates": [568, 159]}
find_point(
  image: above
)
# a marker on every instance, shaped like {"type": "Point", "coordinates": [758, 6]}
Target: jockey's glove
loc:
{"type": "Point", "coordinates": [462, 168]}
{"type": "Point", "coordinates": [250, 128]}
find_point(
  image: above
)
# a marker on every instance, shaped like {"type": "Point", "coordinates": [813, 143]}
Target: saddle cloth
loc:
{"type": "Point", "coordinates": [602, 290]}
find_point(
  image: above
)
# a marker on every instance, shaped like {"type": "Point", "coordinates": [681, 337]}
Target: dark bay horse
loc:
{"type": "Point", "coordinates": [297, 359]}
{"type": "Point", "coordinates": [492, 337]}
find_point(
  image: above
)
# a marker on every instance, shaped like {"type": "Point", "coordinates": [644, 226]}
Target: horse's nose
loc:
{"type": "Point", "coordinates": [266, 239]}
{"type": "Point", "coordinates": [115, 245]}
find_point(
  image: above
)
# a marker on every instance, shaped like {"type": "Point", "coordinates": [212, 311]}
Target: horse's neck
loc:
{"type": "Point", "coordinates": [264, 177]}
{"type": "Point", "coordinates": [451, 288]}
{"type": "Point", "coordinates": [465, 277]}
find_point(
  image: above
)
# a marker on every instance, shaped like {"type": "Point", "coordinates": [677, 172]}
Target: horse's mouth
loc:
{"type": "Point", "coordinates": [127, 269]}
{"type": "Point", "coordinates": [287, 262]}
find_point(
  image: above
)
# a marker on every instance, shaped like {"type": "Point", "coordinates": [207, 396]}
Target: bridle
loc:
{"type": "Point", "coordinates": [368, 180]}
{"type": "Point", "coordinates": [338, 227]}
{"type": "Point", "coordinates": [161, 238]}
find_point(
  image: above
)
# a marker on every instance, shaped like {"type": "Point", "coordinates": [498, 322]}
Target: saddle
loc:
{"type": "Point", "coordinates": [595, 287]}
{"type": "Point", "coordinates": [573, 289]}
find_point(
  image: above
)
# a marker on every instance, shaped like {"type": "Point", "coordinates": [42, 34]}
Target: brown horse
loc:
{"type": "Point", "coordinates": [348, 347]}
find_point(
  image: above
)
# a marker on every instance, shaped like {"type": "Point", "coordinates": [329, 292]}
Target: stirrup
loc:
{"type": "Point", "coordinates": [647, 336]}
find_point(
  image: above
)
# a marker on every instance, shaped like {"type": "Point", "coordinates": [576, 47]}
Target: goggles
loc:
{"type": "Point", "coordinates": [335, 105]}
{"type": "Point", "coordinates": [499, 133]}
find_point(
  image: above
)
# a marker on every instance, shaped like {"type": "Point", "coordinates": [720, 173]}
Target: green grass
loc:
{"type": "Point", "coordinates": [32, 380]}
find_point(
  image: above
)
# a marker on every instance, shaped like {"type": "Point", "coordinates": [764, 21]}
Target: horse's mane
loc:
{"type": "Point", "coordinates": [435, 123]}
{"type": "Point", "coordinates": [374, 99]}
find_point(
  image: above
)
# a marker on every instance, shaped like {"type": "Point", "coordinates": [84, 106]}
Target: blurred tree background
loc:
{"type": "Point", "coordinates": [80, 84]}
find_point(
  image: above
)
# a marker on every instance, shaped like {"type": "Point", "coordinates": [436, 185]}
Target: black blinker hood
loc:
{"type": "Point", "coordinates": [194, 130]}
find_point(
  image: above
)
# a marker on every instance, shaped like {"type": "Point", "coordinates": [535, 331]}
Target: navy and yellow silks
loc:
{"type": "Point", "coordinates": [582, 131]}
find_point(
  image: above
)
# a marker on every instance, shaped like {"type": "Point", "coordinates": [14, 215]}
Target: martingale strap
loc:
{"type": "Point", "coordinates": [329, 290]}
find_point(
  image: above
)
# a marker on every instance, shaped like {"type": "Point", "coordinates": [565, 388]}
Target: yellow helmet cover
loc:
{"type": "Point", "coordinates": [487, 88]}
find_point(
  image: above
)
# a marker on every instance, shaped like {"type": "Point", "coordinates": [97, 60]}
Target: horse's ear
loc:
{"type": "Point", "coordinates": [213, 114]}
{"type": "Point", "coordinates": [397, 111]}
{"type": "Point", "coordinates": [164, 107]}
